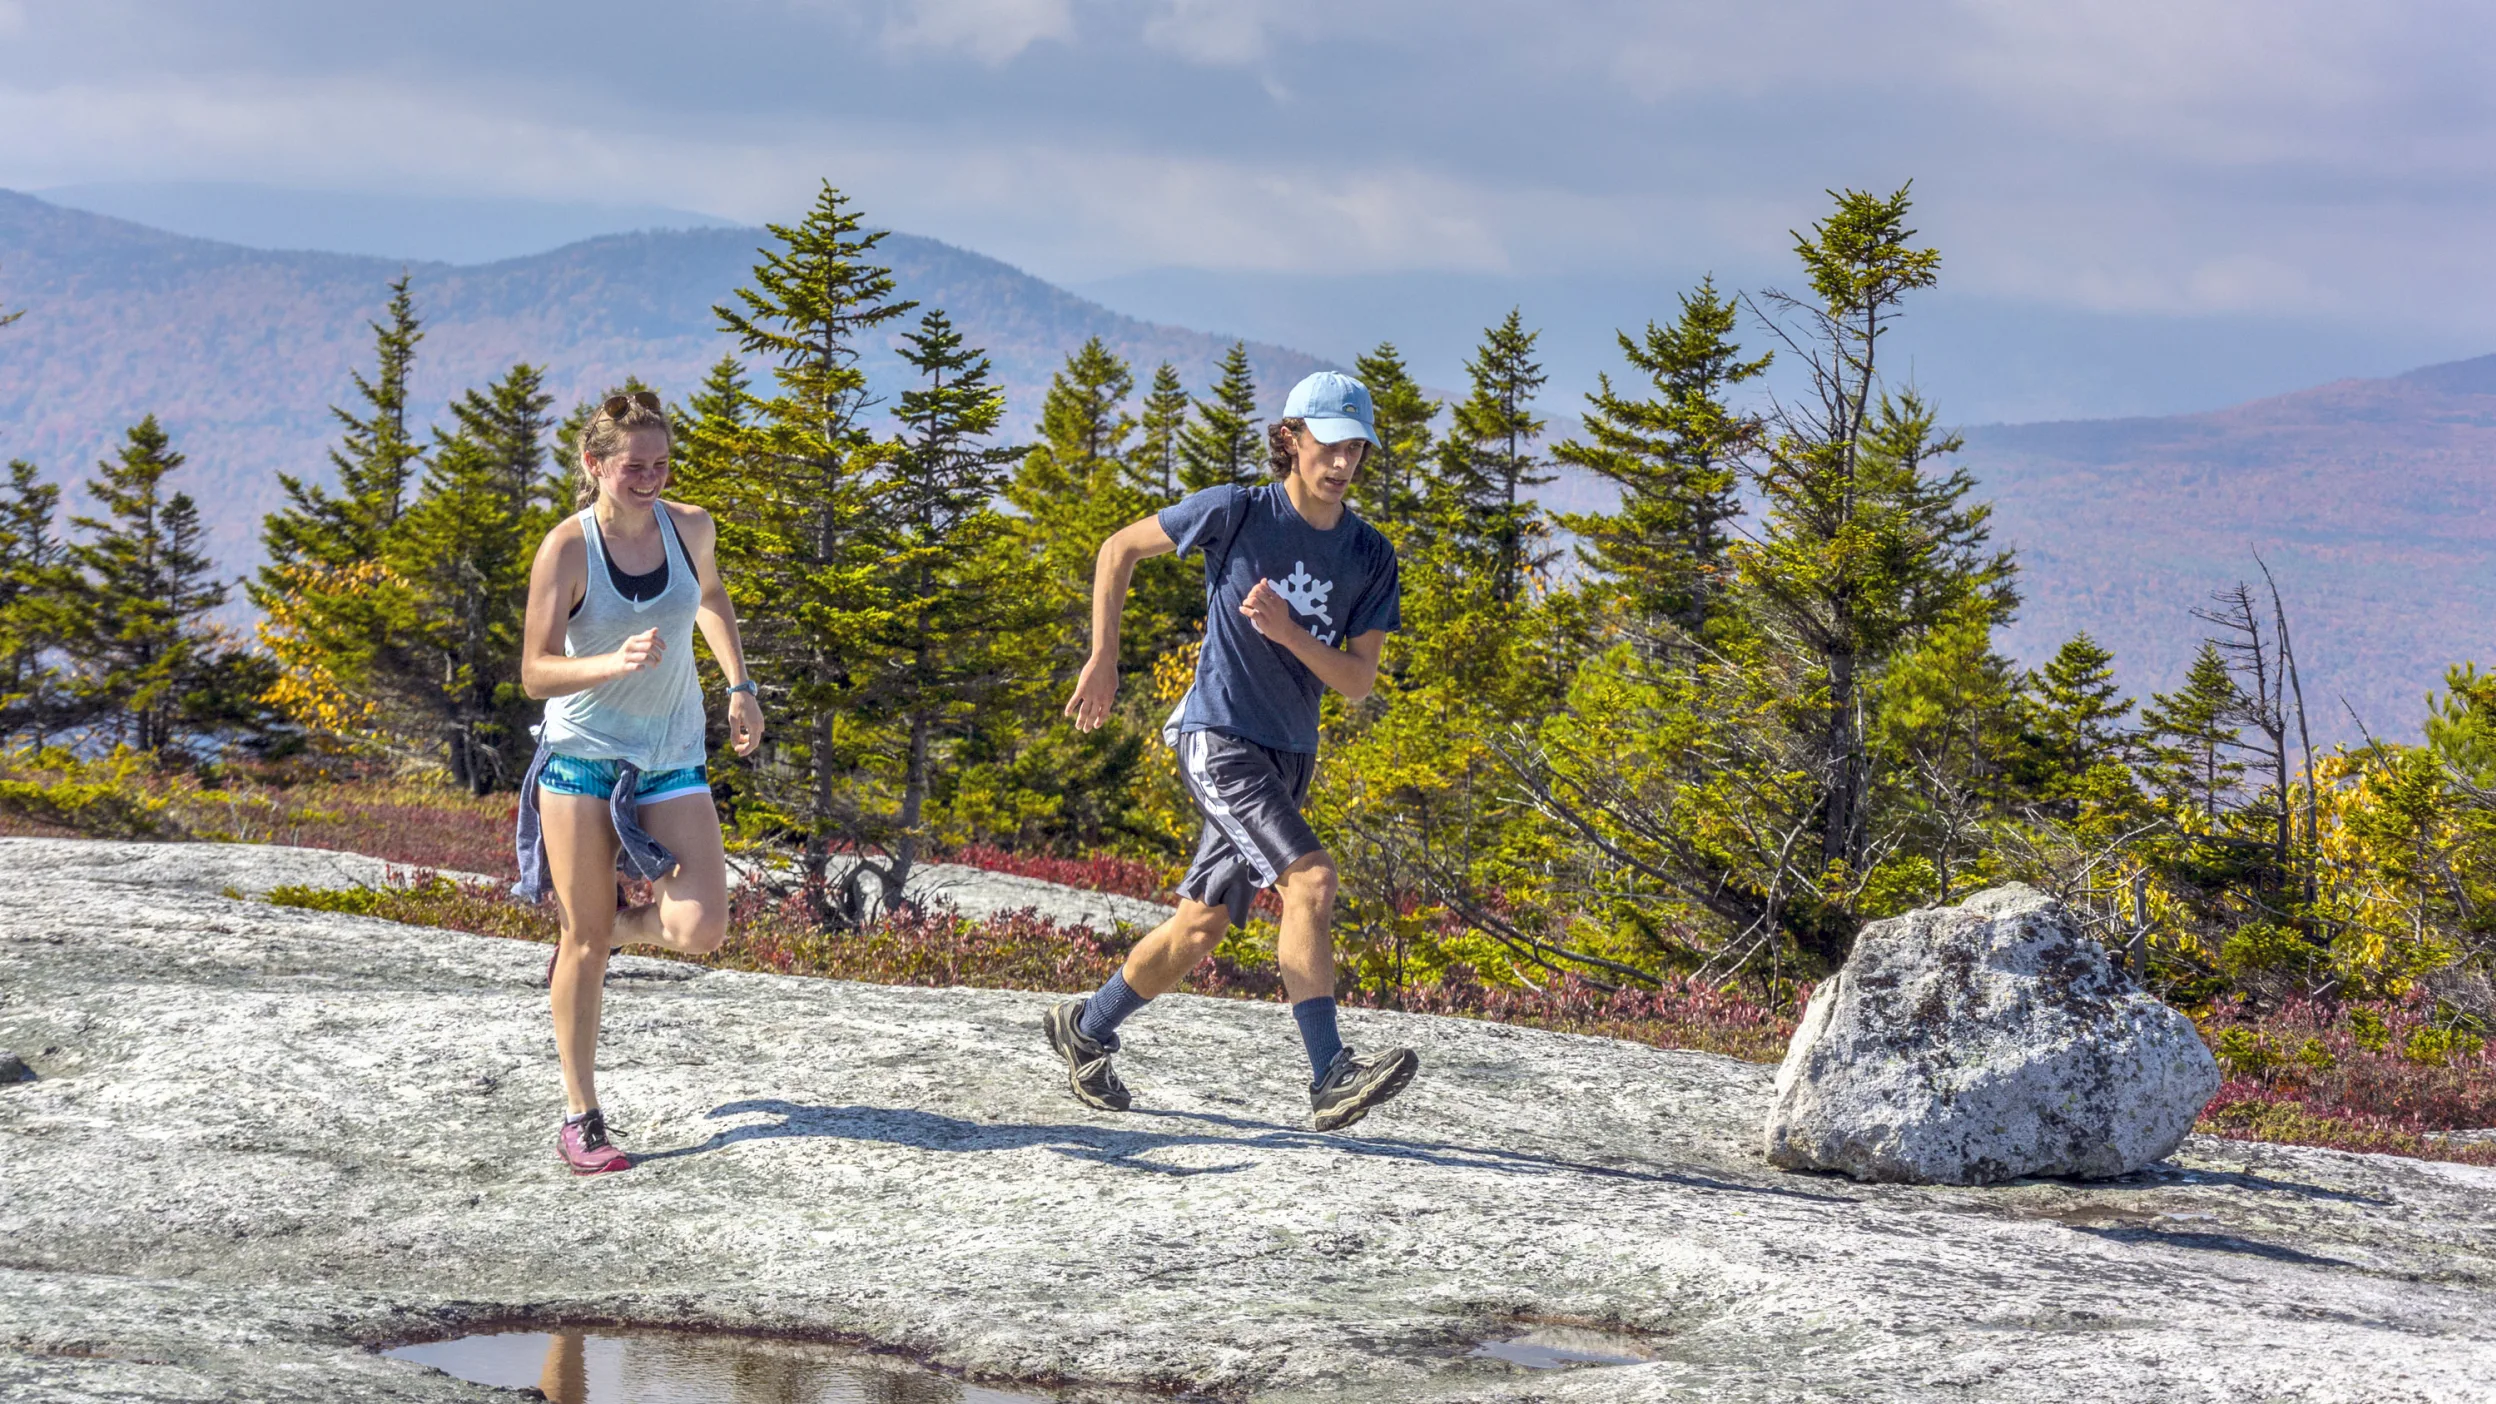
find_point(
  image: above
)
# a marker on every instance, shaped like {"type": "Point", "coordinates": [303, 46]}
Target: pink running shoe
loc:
{"type": "Point", "coordinates": [583, 1145]}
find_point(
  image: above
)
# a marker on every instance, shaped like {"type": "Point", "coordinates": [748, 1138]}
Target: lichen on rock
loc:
{"type": "Point", "coordinates": [1979, 1043]}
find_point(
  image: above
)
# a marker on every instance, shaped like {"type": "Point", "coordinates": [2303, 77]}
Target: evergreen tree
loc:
{"type": "Point", "coordinates": [1223, 445]}
{"type": "Point", "coordinates": [376, 463]}
{"type": "Point", "coordinates": [1153, 465]}
{"type": "Point", "coordinates": [1083, 432]}
{"type": "Point", "coordinates": [2074, 747]}
{"type": "Point", "coordinates": [803, 573]}
{"type": "Point", "coordinates": [2461, 724]}
{"type": "Point", "coordinates": [1866, 541]}
{"type": "Point", "coordinates": [148, 665]}
{"type": "Point", "coordinates": [34, 590]}
{"type": "Point", "coordinates": [703, 464]}
{"type": "Point", "coordinates": [2191, 742]}
{"type": "Point", "coordinates": [1388, 491]}
{"type": "Point", "coordinates": [966, 632]}
{"type": "Point", "coordinates": [1945, 723]}
{"type": "Point", "coordinates": [1487, 461]}
{"type": "Point", "coordinates": [466, 546]}
{"type": "Point", "coordinates": [1073, 489]}
{"type": "Point", "coordinates": [1672, 455]}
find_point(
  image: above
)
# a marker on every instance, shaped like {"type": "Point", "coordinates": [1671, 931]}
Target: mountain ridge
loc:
{"type": "Point", "coordinates": [240, 352]}
{"type": "Point", "coordinates": [2366, 496]}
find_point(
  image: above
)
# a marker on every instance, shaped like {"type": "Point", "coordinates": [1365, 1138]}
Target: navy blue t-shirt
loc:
{"type": "Point", "coordinates": [1340, 584]}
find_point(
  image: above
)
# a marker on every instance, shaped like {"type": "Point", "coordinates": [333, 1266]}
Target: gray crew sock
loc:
{"type": "Point", "coordinates": [1107, 1008]}
{"type": "Point", "coordinates": [1316, 1018]}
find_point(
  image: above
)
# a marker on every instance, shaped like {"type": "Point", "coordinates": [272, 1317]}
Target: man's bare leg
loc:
{"type": "Point", "coordinates": [1161, 961]}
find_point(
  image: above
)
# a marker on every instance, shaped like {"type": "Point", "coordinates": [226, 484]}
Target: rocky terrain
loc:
{"type": "Point", "coordinates": [263, 1142]}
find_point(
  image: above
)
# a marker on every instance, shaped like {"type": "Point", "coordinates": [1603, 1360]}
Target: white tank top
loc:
{"type": "Point", "coordinates": [653, 717]}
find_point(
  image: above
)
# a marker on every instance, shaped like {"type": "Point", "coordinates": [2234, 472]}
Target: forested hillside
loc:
{"type": "Point", "coordinates": [2371, 499]}
{"type": "Point", "coordinates": [2368, 497]}
{"type": "Point", "coordinates": [241, 352]}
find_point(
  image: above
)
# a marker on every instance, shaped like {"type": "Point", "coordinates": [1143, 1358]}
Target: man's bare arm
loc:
{"type": "Point", "coordinates": [1352, 672]}
{"type": "Point", "coordinates": [1113, 570]}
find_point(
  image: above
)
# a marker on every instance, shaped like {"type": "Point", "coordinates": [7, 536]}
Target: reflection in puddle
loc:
{"type": "Point", "coordinates": [1561, 1347]}
{"type": "Point", "coordinates": [681, 1367]}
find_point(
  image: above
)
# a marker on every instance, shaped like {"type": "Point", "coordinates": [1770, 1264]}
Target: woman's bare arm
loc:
{"type": "Point", "coordinates": [718, 621]}
{"type": "Point", "coordinates": [556, 581]}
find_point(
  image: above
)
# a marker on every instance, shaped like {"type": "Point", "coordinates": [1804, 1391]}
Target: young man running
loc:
{"type": "Point", "coordinates": [1299, 596]}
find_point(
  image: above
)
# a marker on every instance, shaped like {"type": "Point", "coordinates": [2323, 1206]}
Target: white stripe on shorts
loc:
{"type": "Point", "coordinates": [1192, 754]}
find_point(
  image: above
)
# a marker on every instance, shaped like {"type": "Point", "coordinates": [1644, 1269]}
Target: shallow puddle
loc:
{"type": "Point", "coordinates": [683, 1367]}
{"type": "Point", "coordinates": [1565, 1347]}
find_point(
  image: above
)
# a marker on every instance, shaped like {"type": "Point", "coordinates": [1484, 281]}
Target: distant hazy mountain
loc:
{"type": "Point", "coordinates": [241, 351]}
{"type": "Point", "coordinates": [2368, 497]}
{"type": "Point", "coordinates": [426, 228]}
{"type": "Point", "coordinates": [2371, 499]}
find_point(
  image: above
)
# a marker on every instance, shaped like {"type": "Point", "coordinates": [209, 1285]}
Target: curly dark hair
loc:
{"type": "Point", "coordinates": [1282, 454]}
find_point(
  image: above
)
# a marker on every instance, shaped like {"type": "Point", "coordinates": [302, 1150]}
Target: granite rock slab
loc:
{"type": "Point", "coordinates": [266, 1142]}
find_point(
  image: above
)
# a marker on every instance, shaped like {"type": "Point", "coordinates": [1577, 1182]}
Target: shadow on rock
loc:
{"type": "Point", "coordinates": [1107, 1145]}
{"type": "Point", "coordinates": [2210, 1243]}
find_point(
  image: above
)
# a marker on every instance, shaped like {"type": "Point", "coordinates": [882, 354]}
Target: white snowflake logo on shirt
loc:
{"type": "Point", "coordinates": [1304, 594]}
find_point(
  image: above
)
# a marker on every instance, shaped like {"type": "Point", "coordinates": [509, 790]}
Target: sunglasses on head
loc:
{"type": "Point", "coordinates": [617, 406]}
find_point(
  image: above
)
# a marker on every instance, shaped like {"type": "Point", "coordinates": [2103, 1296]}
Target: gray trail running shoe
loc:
{"type": "Point", "coordinates": [1087, 1063]}
{"type": "Point", "coordinates": [1356, 1082]}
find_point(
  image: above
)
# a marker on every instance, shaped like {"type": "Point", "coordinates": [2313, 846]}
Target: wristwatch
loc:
{"type": "Point", "coordinates": [746, 687]}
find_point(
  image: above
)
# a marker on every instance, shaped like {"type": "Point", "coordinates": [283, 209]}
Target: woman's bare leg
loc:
{"type": "Point", "coordinates": [580, 851]}
{"type": "Point", "coordinates": [690, 913]}
{"type": "Point", "coordinates": [564, 1379]}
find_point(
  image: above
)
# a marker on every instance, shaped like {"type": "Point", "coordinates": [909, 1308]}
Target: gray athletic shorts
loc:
{"type": "Point", "coordinates": [1250, 796]}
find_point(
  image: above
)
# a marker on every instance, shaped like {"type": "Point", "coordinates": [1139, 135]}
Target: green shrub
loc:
{"type": "Point", "coordinates": [108, 798]}
{"type": "Point", "coordinates": [359, 901]}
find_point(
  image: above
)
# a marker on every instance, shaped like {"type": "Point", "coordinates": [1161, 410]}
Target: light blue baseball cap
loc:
{"type": "Point", "coordinates": [1334, 406]}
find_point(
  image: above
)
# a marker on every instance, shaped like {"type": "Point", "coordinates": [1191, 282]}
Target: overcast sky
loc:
{"type": "Point", "coordinates": [2325, 163]}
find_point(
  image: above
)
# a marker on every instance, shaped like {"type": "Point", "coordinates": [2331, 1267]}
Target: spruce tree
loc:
{"type": "Point", "coordinates": [2072, 722]}
{"type": "Point", "coordinates": [1487, 462]}
{"type": "Point", "coordinates": [1944, 725]}
{"type": "Point", "coordinates": [34, 608]}
{"type": "Point", "coordinates": [376, 462]}
{"type": "Point", "coordinates": [808, 581]}
{"type": "Point", "coordinates": [466, 546]}
{"type": "Point", "coordinates": [1073, 489]}
{"type": "Point", "coordinates": [338, 618]}
{"type": "Point", "coordinates": [1222, 446]}
{"type": "Point", "coordinates": [147, 662]}
{"type": "Point", "coordinates": [1866, 540]}
{"type": "Point", "coordinates": [1083, 432]}
{"type": "Point", "coordinates": [1672, 454]}
{"type": "Point", "coordinates": [2191, 741]}
{"type": "Point", "coordinates": [966, 633]}
{"type": "Point", "coordinates": [1153, 465]}
{"type": "Point", "coordinates": [703, 463]}
{"type": "Point", "coordinates": [1388, 491]}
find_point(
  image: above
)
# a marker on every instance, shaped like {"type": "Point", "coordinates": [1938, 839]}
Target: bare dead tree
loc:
{"type": "Point", "coordinates": [2254, 657]}
{"type": "Point", "coordinates": [2305, 736]}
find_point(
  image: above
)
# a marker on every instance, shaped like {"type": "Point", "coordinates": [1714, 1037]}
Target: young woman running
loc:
{"type": "Point", "coordinates": [1299, 597]}
{"type": "Point", "coordinates": [618, 783]}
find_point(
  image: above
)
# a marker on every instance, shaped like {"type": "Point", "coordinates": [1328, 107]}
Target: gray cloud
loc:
{"type": "Point", "coordinates": [2282, 158]}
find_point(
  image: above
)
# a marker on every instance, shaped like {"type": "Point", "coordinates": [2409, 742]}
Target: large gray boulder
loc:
{"type": "Point", "coordinates": [1972, 1044]}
